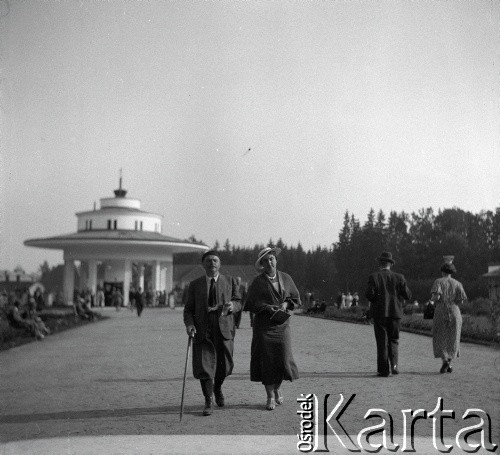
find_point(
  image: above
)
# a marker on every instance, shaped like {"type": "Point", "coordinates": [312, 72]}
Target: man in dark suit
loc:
{"type": "Point", "coordinates": [386, 292]}
{"type": "Point", "coordinates": [208, 316]}
{"type": "Point", "coordinates": [140, 301]}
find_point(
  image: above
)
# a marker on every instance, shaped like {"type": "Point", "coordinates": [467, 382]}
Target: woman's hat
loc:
{"type": "Point", "coordinates": [386, 257]}
{"type": "Point", "coordinates": [264, 253]}
{"type": "Point", "coordinates": [448, 268]}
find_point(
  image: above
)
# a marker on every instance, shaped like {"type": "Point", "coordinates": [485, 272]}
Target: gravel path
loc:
{"type": "Point", "coordinates": [115, 387]}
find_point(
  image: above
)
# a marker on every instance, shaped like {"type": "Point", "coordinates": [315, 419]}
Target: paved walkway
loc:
{"type": "Point", "coordinates": [114, 387]}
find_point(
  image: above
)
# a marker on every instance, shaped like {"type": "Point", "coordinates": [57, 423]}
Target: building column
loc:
{"type": "Point", "coordinates": [141, 276]}
{"type": "Point", "coordinates": [163, 278]}
{"type": "Point", "coordinates": [69, 281]}
{"type": "Point", "coordinates": [157, 275]}
{"type": "Point", "coordinates": [82, 276]}
{"type": "Point", "coordinates": [127, 279]}
{"type": "Point", "coordinates": [92, 278]}
{"type": "Point", "coordinates": [169, 277]}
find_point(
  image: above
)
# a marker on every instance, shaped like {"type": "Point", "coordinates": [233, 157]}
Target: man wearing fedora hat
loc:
{"type": "Point", "coordinates": [386, 293]}
{"type": "Point", "coordinates": [208, 316]}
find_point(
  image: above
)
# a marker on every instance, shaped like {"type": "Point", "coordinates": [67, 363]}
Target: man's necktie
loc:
{"type": "Point", "coordinates": [212, 300]}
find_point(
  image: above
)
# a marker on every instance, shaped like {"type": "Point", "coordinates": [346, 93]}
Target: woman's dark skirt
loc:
{"type": "Point", "coordinates": [271, 356]}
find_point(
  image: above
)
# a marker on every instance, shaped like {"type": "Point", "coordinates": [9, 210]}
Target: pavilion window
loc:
{"type": "Point", "coordinates": [109, 224]}
{"type": "Point", "coordinates": [141, 225]}
{"type": "Point", "coordinates": [90, 225]}
{"type": "Point", "coordinates": [135, 225]}
{"type": "Point", "coordinates": [115, 224]}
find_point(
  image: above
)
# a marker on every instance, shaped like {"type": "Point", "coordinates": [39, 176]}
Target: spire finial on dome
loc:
{"type": "Point", "coordinates": [119, 192]}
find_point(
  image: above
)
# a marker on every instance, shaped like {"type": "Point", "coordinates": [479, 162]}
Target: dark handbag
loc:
{"type": "Point", "coordinates": [280, 316]}
{"type": "Point", "coordinates": [429, 311]}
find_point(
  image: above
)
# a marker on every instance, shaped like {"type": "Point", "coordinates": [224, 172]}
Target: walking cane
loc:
{"type": "Point", "coordinates": [190, 339]}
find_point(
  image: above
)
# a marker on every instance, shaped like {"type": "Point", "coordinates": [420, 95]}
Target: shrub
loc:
{"type": "Point", "coordinates": [354, 313]}
{"type": "Point", "coordinates": [416, 322]}
{"type": "Point", "coordinates": [408, 309]}
{"type": "Point", "coordinates": [477, 307]}
{"type": "Point", "coordinates": [475, 327]}
{"type": "Point", "coordinates": [478, 328]}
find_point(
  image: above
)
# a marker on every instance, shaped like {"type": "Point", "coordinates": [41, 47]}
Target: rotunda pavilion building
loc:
{"type": "Point", "coordinates": [116, 236]}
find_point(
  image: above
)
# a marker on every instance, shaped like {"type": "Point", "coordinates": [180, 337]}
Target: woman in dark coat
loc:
{"type": "Point", "coordinates": [271, 355]}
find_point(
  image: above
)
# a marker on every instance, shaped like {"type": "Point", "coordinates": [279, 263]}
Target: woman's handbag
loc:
{"type": "Point", "coordinates": [429, 311]}
{"type": "Point", "coordinates": [279, 316]}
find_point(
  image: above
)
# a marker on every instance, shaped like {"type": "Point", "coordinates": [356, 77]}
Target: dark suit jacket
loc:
{"type": "Point", "coordinates": [196, 307]}
{"type": "Point", "coordinates": [386, 292]}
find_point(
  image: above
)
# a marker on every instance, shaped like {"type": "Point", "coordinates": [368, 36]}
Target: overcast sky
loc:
{"type": "Point", "coordinates": [244, 120]}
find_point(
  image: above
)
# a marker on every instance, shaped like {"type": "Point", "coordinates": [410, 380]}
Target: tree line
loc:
{"type": "Point", "coordinates": [418, 242]}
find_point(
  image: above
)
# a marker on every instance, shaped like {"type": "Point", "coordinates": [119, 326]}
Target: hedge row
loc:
{"type": "Point", "coordinates": [481, 321]}
{"type": "Point", "coordinates": [56, 319]}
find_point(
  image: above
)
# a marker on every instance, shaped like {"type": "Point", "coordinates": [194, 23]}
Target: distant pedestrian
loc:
{"type": "Point", "coordinates": [149, 297]}
{"type": "Point", "coordinates": [117, 299]}
{"type": "Point", "coordinates": [386, 293]}
{"type": "Point", "coordinates": [307, 297]}
{"type": "Point", "coordinates": [342, 300]}
{"type": "Point", "coordinates": [447, 294]}
{"type": "Point", "coordinates": [140, 301]}
{"type": "Point", "coordinates": [39, 300]}
{"type": "Point", "coordinates": [131, 299]}
{"type": "Point", "coordinates": [171, 300]}
{"type": "Point", "coordinates": [163, 298]}
{"type": "Point", "coordinates": [338, 300]}
{"type": "Point", "coordinates": [99, 298]}
{"type": "Point", "coordinates": [355, 299]}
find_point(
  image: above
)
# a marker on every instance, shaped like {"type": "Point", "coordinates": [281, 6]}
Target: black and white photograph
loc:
{"type": "Point", "coordinates": [249, 227]}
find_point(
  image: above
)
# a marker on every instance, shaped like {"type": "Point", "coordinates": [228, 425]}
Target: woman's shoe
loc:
{"type": "Point", "coordinates": [271, 404]}
{"type": "Point", "coordinates": [450, 369]}
{"type": "Point", "coordinates": [444, 367]}
{"type": "Point", "coordinates": [278, 397]}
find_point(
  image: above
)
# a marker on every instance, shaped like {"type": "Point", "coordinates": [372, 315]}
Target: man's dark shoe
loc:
{"type": "Point", "coordinates": [383, 375]}
{"type": "Point", "coordinates": [395, 369]}
{"type": "Point", "coordinates": [219, 398]}
{"type": "Point", "coordinates": [208, 407]}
